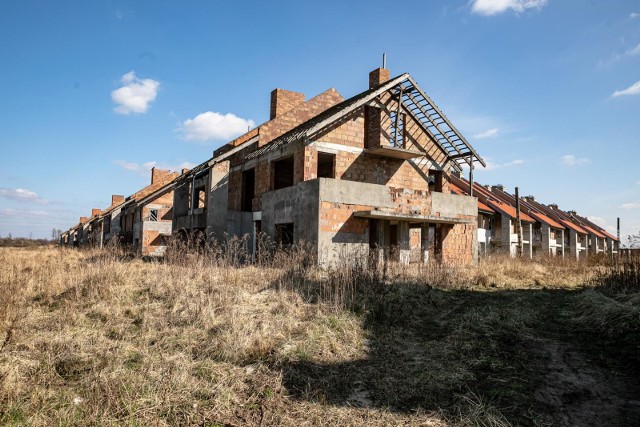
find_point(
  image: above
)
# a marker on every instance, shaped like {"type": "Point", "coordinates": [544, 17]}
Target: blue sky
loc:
{"type": "Point", "coordinates": [92, 94]}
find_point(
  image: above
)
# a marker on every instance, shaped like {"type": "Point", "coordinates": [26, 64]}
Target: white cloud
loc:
{"type": "Point", "coordinates": [495, 7]}
{"type": "Point", "coordinates": [598, 220]}
{"type": "Point", "coordinates": [214, 126]}
{"type": "Point", "coordinates": [143, 169]}
{"type": "Point", "coordinates": [20, 213]}
{"type": "Point", "coordinates": [634, 89]}
{"type": "Point", "coordinates": [490, 133]}
{"type": "Point", "coordinates": [22, 195]}
{"type": "Point", "coordinates": [631, 205]}
{"type": "Point", "coordinates": [571, 160]}
{"type": "Point", "coordinates": [634, 51]}
{"type": "Point", "coordinates": [494, 166]}
{"type": "Point", "coordinates": [634, 15]}
{"type": "Point", "coordinates": [135, 95]}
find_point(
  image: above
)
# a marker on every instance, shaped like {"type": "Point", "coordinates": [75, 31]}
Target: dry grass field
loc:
{"type": "Point", "coordinates": [99, 338]}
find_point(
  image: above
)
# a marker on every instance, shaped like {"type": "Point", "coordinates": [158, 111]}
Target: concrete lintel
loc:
{"type": "Point", "coordinates": [376, 214]}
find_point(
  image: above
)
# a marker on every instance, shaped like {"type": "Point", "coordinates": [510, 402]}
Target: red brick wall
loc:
{"type": "Point", "coordinates": [338, 217]}
{"type": "Point", "coordinates": [457, 243]}
{"type": "Point", "coordinates": [298, 115]}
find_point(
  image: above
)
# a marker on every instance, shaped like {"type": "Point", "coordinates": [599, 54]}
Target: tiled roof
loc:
{"type": "Point", "coordinates": [609, 235]}
{"type": "Point", "coordinates": [574, 227]}
{"type": "Point", "coordinates": [594, 231]}
{"type": "Point", "coordinates": [481, 206]}
{"type": "Point", "coordinates": [547, 220]}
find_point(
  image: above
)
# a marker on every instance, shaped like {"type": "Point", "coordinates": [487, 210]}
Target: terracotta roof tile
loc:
{"type": "Point", "coordinates": [547, 220]}
{"type": "Point", "coordinates": [574, 227]}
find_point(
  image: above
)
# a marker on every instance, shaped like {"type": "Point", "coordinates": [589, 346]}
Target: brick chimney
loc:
{"type": "Point", "coordinates": [95, 211]}
{"type": "Point", "coordinates": [530, 198]}
{"type": "Point", "coordinates": [158, 174]}
{"type": "Point", "coordinates": [497, 187]}
{"type": "Point", "coordinates": [284, 100]}
{"type": "Point", "coordinates": [378, 76]}
{"type": "Point", "coordinates": [83, 219]}
{"type": "Point", "coordinates": [116, 199]}
{"type": "Point", "coordinates": [185, 170]}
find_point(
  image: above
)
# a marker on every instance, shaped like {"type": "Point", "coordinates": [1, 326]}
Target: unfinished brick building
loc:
{"type": "Point", "coordinates": [345, 176]}
{"type": "Point", "coordinates": [142, 221]}
{"type": "Point", "coordinates": [146, 216]}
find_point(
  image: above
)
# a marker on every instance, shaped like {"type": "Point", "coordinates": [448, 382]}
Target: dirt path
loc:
{"type": "Point", "coordinates": [581, 393]}
{"type": "Point", "coordinates": [578, 389]}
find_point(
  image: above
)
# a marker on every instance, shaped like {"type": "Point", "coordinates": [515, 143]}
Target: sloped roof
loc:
{"type": "Point", "coordinates": [546, 219]}
{"type": "Point", "coordinates": [609, 235]}
{"type": "Point", "coordinates": [432, 120]}
{"type": "Point", "coordinates": [481, 206]}
{"type": "Point", "coordinates": [490, 199]}
{"type": "Point", "coordinates": [573, 226]}
{"type": "Point", "coordinates": [594, 231]}
{"type": "Point", "coordinates": [151, 188]}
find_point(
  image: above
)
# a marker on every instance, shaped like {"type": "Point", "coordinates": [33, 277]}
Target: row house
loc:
{"type": "Point", "coordinates": [146, 216]}
{"type": "Point", "coordinates": [499, 220]}
{"type": "Point", "coordinates": [365, 175]}
{"type": "Point", "coordinates": [142, 221]}
{"type": "Point", "coordinates": [546, 229]}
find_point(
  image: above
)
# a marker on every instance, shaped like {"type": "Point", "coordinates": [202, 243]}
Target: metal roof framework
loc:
{"type": "Point", "coordinates": [414, 102]}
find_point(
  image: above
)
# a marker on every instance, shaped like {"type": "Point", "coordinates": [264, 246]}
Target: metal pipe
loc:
{"type": "Point", "coordinates": [471, 175]}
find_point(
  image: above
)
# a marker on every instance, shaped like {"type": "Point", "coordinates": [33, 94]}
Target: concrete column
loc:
{"type": "Point", "coordinates": [574, 240]}
{"type": "Point", "coordinates": [545, 230]}
{"type": "Point", "coordinates": [404, 246]}
{"type": "Point", "coordinates": [562, 247]}
{"type": "Point", "coordinates": [424, 242]}
{"type": "Point", "coordinates": [506, 234]}
{"type": "Point", "coordinates": [527, 234]}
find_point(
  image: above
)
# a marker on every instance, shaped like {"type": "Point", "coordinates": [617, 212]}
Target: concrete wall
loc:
{"type": "Point", "coordinates": [297, 205]}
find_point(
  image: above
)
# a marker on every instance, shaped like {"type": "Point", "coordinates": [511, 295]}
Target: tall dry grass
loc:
{"type": "Point", "coordinates": [202, 337]}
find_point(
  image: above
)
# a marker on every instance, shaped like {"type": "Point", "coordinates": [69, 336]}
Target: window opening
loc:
{"type": "Point", "coordinates": [283, 173]}
{"type": "Point", "coordinates": [248, 190]}
{"type": "Point", "coordinates": [284, 234]}
{"type": "Point", "coordinates": [326, 165]}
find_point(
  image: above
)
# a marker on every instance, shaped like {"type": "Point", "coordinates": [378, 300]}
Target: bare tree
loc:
{"type": "Point", "coordinates": [633, 241]}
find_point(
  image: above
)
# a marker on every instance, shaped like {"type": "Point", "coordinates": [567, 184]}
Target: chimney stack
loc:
{"type": "Point", "coordinates": [530, 198]}
{"type": "Point", "coordinates": [95, 211]}
{"type": "Point", "coordinates": [83, 219]}
{"type": "Point", "coordinates": [497, 187]}
{"type": "Point", "coordinates": [116, 199]}
{"type": "Point", "coordinates": [158, 174]}
{"type": "Point", "coordinates": [572, 213]}
{"type": "Point", "coordinates": [284, 100]}
{"type": "Point", "coordinates": [185, 170]}
{"type": "Point", "coordinates": [553, 206]}
{"type": "Point", "coordinates": [378, 76]}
